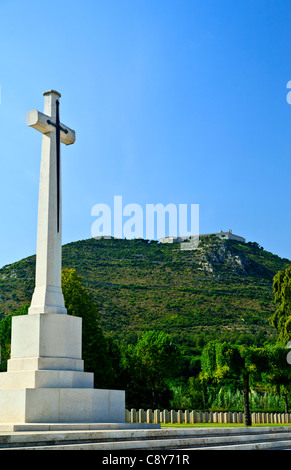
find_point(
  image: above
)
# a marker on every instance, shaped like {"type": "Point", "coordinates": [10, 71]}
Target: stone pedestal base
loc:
{"type": "Point", "coordinates": [45, 380]}
{"type": "Point", "coordinates": [61, 405]}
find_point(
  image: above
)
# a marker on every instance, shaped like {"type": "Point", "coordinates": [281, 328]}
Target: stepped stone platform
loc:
{"type": "Point", "coordinates": [149, 437]}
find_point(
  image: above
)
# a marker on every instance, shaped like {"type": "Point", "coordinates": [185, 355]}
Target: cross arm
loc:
{"type": "Point", "coordinates": [39, 121]}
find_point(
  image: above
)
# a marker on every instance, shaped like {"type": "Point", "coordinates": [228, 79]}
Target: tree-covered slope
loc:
{"type": "Point", "coordinates": [222, 289]}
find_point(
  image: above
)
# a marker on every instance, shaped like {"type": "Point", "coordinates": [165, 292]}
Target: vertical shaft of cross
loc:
{"type": "Point", "coordinates": [58, 152]}
{"type": "Point", "coordinates": [48, 297]}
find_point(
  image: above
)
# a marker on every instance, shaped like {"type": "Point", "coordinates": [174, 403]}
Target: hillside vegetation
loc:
{"type": "Point", "coordinates": [222, 290]}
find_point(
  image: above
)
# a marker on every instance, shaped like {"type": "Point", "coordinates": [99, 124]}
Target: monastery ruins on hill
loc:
{"type": "Point", "coordinates": [223, 235]}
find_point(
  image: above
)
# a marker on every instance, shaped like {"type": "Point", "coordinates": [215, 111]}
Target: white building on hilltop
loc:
{"type": "Point", "coordinates": [223, 235]}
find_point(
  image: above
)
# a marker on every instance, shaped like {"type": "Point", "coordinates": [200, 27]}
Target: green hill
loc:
{"type": "Point", "coordinates": [223, 289]}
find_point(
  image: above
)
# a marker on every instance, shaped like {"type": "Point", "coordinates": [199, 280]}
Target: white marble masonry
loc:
{"type": "Point", "coordinates": [45, 380]}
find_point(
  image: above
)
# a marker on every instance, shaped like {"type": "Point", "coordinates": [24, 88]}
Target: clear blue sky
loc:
{"type": "Point", "coordinates": [180, 101]}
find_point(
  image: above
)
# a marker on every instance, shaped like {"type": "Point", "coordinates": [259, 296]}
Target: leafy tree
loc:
{"type": "Point", "coordinates": [114, 352]}
{"type": "Point", "coordinates": [220, 360]}
{"type": "Point", "coordinates": [278, 375]}
{"type": "Point", "coordinates": [5, 335]}
{"type": "Point", "coordinates": [281, 319]}
{"type": "Point", "coordinates": [94, 345]}
{"type": "Point", "coordinates": [149, 364]}
{"type": "Point", "coordinates": [192, 395]}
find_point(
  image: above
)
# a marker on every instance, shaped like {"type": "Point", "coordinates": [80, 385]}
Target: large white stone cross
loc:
{"type": "Point", "coordinates": [47, 296]}
{"type": "Point", "coordinates": [45, 380]}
